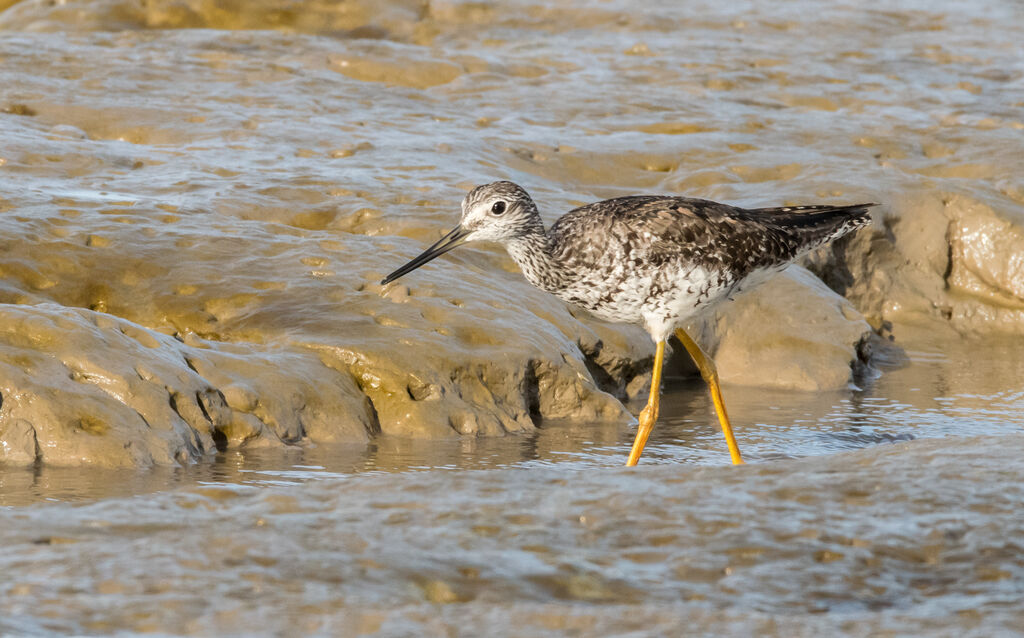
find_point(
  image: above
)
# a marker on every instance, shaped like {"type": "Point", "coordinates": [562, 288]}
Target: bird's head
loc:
{"type": "Point", "coordinates": [499, 211]}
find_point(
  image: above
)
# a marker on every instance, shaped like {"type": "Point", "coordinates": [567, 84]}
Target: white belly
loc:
{"type": "Point", "coordinates": [660, 301]}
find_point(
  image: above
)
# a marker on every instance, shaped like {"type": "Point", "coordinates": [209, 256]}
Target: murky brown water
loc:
{"type": "Point", "coordinates": [187, 204]}
{"type": "Point", "coordinates": [888, 509]}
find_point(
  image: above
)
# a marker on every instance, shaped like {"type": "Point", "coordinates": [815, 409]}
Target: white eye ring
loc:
{"type": "Point", "coordinates": [498, 207]}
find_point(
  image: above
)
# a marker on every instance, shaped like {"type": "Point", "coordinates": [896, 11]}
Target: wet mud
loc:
{"type": "Point", "coordinates": [179, 174]}
{"type": "Point", "coordinates": [243, 431]}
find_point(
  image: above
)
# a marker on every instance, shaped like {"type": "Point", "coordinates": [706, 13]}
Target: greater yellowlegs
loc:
{"type": "Point", "coordinates": [650, 259]}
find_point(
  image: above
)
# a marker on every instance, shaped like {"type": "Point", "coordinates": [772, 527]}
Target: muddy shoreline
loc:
{"type": "Point", "coordinates": [215, 421]}
{"type": "Point", "coordinates": [217, 250]}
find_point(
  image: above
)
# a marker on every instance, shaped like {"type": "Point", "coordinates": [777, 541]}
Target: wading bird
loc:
{"type": "Point", "coordinates": [654, 260]}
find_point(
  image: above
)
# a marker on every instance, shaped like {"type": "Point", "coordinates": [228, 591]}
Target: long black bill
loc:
{"type": "Point", "coordinates": [451, 240]}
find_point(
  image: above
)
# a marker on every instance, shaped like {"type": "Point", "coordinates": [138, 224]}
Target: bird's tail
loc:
{"type": "Point", "coordinates": [813, 226]}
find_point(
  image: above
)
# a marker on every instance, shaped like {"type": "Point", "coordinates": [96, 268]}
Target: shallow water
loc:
{"type": "Point", "coordinates": [200, 205]}
{"type": "Point", "coordinates": [546, 534]}
{"type": "Point", "coordinates": [945, 390]}
{"type": "Point", "coordinates": [888, 508]}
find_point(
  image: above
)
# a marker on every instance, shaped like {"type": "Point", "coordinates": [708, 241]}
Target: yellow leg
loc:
{"type": "Point", "coordinates": [710, 374]}
{"type": "Point", "coordinates": [650, 413]}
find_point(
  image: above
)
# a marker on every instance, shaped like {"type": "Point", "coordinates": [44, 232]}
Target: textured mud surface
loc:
{"type": "Point", "coordinates": [197, 218]}
{"type": "Point", "coordinates": [198, 198]}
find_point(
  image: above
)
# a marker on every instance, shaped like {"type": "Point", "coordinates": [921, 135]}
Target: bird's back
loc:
{"type": "Point", "coordinates": [644, 250]}
{"type": "Point", "coordinates": [702, 231]}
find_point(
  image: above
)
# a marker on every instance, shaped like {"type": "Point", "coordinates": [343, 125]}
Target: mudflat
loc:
{"type": "Point", "coordinates": [243, 431]}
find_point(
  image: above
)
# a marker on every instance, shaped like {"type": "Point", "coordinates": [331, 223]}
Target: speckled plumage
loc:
{"type": "Point", "coordinates": [659, 260]}
{"type": "Point", "coordinates": [648, 259]}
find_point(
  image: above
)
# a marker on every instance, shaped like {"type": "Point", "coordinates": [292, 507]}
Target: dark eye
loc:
{"type": "Point", "coordinates": [498, 208]}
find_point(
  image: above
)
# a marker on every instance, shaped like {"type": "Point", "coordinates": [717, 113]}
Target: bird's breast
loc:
{"type": "Point", "coordinates": [672, 294]}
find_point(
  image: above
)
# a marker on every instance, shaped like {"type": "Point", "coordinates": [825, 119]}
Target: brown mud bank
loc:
{"type": "Point", "coordinates": [194, 215]}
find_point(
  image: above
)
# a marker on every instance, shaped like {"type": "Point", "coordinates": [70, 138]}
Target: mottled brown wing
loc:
{"type": "Point", "coordinates": [657, 230]}
{"type": "Point", "coordinates": [701, 232]}
{"type": "Point", "coordinates": [711, 235]}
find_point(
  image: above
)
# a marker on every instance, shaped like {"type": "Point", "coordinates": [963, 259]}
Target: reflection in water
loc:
{"type": "Point", "coordinates": [969, 389]}
{"type": "Point", "coordinates": [893, 536]}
